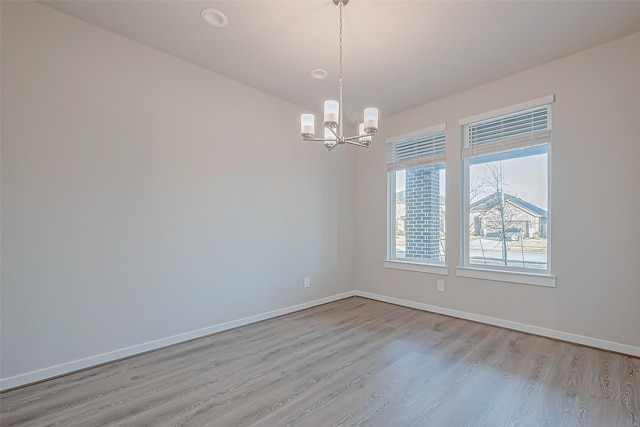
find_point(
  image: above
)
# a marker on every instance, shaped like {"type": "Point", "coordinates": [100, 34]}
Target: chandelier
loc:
{"type": "Point", "coordinates": [333, 115]}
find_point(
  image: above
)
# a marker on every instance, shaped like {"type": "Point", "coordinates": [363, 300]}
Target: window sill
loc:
{"type": "Point", "coordinates": [508, 276]}
{"type": "Point", "coordinates": [415, 266]}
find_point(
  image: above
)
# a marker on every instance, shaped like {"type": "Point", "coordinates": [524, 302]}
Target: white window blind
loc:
{"type": "Point", "coordinates": [422, 150]}
{"type": "Point", "coordinates": [507, 132]}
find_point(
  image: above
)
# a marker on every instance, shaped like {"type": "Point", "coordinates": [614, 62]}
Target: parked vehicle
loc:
{"type": "Point", "coordinates": [510, 234]}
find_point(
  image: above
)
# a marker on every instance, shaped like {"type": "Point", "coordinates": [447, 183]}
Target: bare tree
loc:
{"type": "Point", "coordinates": [494, 210]}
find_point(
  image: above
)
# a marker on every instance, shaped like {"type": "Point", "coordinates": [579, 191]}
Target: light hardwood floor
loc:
{"type": "Point", "coordinates": [350, 362]}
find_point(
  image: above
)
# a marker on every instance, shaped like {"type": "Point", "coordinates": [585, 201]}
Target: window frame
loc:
{"type": "Point", "coordinates": [512, 274]}
{"type": "Point", "coordinates": [410, 264]}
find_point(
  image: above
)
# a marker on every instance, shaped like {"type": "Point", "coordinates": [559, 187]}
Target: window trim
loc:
{"type": "Point", "coordinates": [511, 276]}
{"type": "Point", "coordinates": [420, 267]}
{"type": "Point", "coordinates": [495, 272]}
{"type": "Point", "coordinates": [411, 264]}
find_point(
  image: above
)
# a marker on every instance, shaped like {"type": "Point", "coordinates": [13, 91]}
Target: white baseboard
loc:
{"type": "Point", "coordinates": [76, 365]}
{"type": "Point", "coordinates": [550, 333]}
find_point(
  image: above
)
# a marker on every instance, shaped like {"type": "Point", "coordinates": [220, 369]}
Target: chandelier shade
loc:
{"type": "Point", "coordinates": [333, 115]}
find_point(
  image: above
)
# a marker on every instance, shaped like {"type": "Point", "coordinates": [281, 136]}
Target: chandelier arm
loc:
{"type": "Point", "coordinates": [337, 134]}
{"type": "Point", "coordinates": [308, 139]}
{"type": "Point", "coordinates": [354, 138]}
{"type": "Point", "coordinates": [359, 144]}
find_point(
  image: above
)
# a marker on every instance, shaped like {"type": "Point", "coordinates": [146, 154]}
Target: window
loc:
{"type": "Point", "coordinates": [416, 185]}
{"type": "Point", "coordinates": [505, 197]}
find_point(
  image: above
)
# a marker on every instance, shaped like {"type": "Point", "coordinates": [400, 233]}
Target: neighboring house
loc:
{"type": "Point", "coordinates": [521, 218]}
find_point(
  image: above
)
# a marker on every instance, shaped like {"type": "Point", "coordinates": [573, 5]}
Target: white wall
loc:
{"type": "Point", "coordinates": [144, 197]}
{"type": "Point", "coordinates": [595, 201]}
{"type": "Point", "coordinates": [136, 208]}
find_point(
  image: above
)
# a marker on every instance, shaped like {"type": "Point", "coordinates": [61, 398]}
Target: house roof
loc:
{"type": "Point", "coordinates": [491, 201]}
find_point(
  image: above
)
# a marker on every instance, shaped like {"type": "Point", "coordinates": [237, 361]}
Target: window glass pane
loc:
{"type": "Point", "coordinates": [508, 209]}
{"type": "Point", "coordinates": [419, 213]}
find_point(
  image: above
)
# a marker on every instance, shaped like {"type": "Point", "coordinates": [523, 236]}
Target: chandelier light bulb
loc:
{"type": "Point", "coordinates": [307, 124]}
{"type": "Point", "coordinates": [371, 120]}
{"type": "Point", "coordinates": [328, 134]}
{"type": "Point", "coordinates": [329, 138]}
{"type": "Point", "coordinates": [331, 113]}
{"type": "Point", "coordinates": [365, 138]}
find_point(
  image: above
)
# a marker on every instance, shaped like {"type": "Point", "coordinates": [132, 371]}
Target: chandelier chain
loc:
{"type": "Point", "coordinates": [340, 42]}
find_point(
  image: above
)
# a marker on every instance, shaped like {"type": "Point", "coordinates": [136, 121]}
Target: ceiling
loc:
{"type": "Point", "coordinates": [397, 54]}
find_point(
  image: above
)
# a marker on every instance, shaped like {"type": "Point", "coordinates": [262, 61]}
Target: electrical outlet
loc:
{"type": "Point", "coordinates": [306, 282]}
{"type": "Point", "coordinates": [440, 285]}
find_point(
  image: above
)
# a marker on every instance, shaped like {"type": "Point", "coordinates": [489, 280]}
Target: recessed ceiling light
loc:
{"type": "Point", "coordinates": [214, 17]}
{"type": "Point", "coordinates": [319, 73]}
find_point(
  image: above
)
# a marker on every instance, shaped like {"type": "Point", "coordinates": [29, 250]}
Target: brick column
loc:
{"type": "Point", "coordinates": [423, 213]}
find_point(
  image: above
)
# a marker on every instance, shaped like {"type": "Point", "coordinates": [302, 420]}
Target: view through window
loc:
{"type": "Point", "coordinates": [416, 172]}
{"type": "Point", "coordinates": [420, 209]}
{"type": "Point", "coordinates": [506, 209]}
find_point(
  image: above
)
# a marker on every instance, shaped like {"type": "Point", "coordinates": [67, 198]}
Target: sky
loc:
{"type": "Point", "coordinates": [524, 177]}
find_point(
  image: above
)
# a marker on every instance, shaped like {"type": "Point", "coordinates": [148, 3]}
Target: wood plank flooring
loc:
{"type": "Point", "coordinates": [348, 363]}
